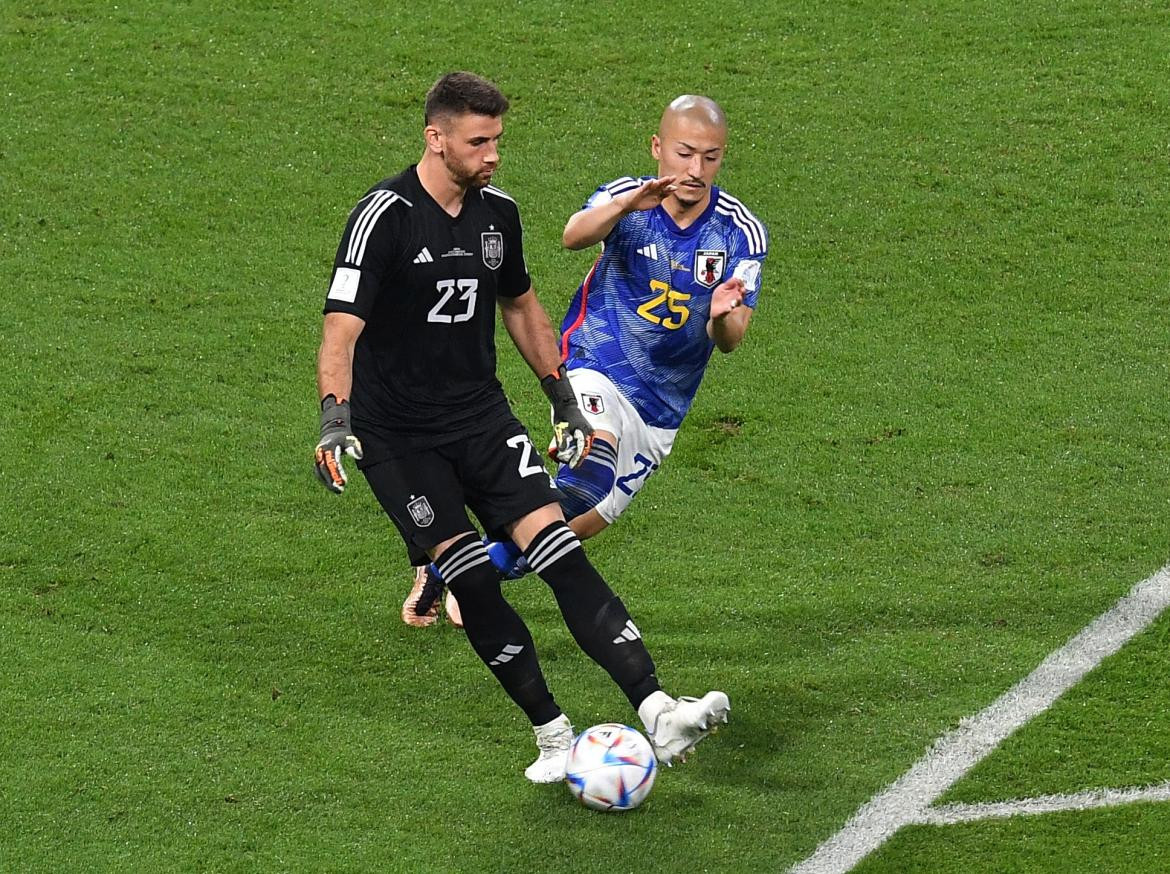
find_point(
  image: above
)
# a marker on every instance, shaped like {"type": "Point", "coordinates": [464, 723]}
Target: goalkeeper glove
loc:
{"type": "Point", "coordinates": [572, 433]}
{"type": "Point", "coordinates": [336, 438]}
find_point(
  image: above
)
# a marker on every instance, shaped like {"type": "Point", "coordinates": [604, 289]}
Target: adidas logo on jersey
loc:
{"type": "Point", "coordinates": [650, 251]}
{"type": "Point", "coordinates": [423, 257]}
{"type": "Point", "coordinates": [629, 634]}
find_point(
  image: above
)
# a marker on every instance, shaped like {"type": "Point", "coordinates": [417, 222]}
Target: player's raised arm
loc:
{"type": "Point", "coordinates": [593, 224]}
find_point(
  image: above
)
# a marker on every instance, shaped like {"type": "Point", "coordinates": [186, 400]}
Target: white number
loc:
{"type": "Point", "coordinates": [521, 442]}
{"type": "Point", "coordinates": [448, 288]}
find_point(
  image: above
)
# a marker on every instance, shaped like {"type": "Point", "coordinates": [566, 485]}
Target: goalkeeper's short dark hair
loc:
{"type": "Point", "coordinates": [463, 92]}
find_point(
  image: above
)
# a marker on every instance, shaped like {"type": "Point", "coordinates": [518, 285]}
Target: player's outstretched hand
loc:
{"type": "Point", "coordinates": [337, 439]}
{"type": "Point", "coordinates": [648, 195]}
{"type": "Point", "coordinates": [727, 297]}
{"type": "Point", "coordinates": [572, 433]}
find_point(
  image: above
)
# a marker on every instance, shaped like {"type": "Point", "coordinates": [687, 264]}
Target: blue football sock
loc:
{"type": "Point", "coordinates": [507, 558]}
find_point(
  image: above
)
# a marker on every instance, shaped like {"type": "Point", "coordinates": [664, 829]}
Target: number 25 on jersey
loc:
{"type": "Point", "coordinates": [667, 308]}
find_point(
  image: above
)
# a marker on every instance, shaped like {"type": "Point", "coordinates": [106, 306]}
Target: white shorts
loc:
{"type": "Point", "coordinates": [641, 447]}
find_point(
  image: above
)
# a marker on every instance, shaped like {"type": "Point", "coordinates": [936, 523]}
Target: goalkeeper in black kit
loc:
{"type": "Point", "coordinates": [407, 378]}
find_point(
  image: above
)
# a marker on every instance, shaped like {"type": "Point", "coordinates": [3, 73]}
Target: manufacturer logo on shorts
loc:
{"type": "Point", "coordinates": [421, 512]}
{"type": "Point", "coordinates": [493, 249]}
{"type": "Point", "coordinates": [592, 404]}
{"type": "Point", "coordinates": [709, 266]}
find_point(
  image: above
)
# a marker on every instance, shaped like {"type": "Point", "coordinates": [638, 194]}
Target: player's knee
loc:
{"type": "Point", "coordinates": [586, 486]}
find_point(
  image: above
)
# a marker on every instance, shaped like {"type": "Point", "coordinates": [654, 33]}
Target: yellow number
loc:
{"type": "Point", "coordinates": [645, 310]}
{"type": "Point", "coordinates": [674, 301]}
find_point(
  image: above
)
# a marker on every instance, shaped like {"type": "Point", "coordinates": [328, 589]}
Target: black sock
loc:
{"type": "Point", "coordinates": [596, 616]}
{"type": "Point", "coordinates": [496, 632]}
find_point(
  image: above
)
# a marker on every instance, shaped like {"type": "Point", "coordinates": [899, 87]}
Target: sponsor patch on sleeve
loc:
{"type": "Point", "coordinates": [749, 272]}
{"type": "Point", "coordinates": [345, 284]}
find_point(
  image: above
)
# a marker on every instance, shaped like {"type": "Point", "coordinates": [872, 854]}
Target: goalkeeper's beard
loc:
{"type": "Point", "coordinates": [465, 177]}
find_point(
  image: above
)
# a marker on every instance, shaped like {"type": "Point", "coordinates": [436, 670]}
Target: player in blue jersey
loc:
{"type": "Point", "coordinates": [678, 277]}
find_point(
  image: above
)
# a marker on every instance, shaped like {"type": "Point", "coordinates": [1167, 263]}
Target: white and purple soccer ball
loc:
{"type": "Point", "coordinates": [610, 767]}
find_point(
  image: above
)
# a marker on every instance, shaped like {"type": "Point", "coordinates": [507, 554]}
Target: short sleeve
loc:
{"type": "Point", "coordinates": [607, 192]}
{"type": "Point", "coordinates": [750, 270]}
{"type": "Point", "coordinates": [365, 255]}
{"type": "Point", "coordinates": [748, 251]}
{"type": "Point", "coordinates": [514, 276]}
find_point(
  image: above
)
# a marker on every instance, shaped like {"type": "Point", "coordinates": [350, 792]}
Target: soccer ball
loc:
{"type": "Point", "coordinates": [610, 767]}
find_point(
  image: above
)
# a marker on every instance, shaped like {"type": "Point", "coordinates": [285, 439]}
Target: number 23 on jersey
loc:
{"type": "Point", "coordinates": [447, 289]}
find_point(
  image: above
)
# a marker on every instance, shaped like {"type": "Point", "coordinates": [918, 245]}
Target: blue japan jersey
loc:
{"type": "Point", "coordinates": [640, 316]}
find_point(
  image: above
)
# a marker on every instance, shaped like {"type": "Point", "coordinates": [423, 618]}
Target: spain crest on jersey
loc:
{"type": "Point", "coordinates": [709, 265]}
{"type": "Point", "coordinates": [493, 249]}
{"type": "Point", "coordinates": [421, 512]}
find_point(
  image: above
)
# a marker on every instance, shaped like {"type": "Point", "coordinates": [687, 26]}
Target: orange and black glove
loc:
{"type": "Point", "coordinates": [572, 433]}
{"type": "Point", "coordinates": [336, 439]}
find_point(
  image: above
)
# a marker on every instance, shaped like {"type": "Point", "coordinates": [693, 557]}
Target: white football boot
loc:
{"type": "Point", "coordinates": [554, 739]}
{"type": "Point", "coordinates": [676, 726]}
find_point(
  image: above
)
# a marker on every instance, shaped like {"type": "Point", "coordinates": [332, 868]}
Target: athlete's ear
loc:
{"type": "Point", "coordinates": [655, 147]}
{"type": "Point", "coordinates": [433, 137]}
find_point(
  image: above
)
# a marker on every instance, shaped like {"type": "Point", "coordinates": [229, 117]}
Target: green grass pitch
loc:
{"type": "Point", "coordinates": [942, 450]}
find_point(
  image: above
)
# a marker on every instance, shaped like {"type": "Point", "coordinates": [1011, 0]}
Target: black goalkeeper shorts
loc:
{"type": "Point", "coordinates": [497, 473]}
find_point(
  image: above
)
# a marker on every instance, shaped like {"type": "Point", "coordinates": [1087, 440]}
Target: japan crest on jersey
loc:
{"type": "Point", "coordinates": [709, 265]}
{"type": "Point", "coordinates": [421, 512]}
{"type": "Point", "coordinates": [493, 249]}
{"type": "Point", "coordinates": [592, 404]}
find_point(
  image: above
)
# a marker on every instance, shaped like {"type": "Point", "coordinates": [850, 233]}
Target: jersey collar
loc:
{"type": "Point", "coordinates": [694, 226]}
{"type": "Point", "coordinates": [425, 196]}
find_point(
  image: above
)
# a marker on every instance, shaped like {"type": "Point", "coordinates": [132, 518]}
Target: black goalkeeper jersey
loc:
{"type": "Point", "coordinates": [424, 369]}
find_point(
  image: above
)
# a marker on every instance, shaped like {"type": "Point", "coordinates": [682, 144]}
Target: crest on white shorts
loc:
{"type": "Point", "coordinates": [592, 404]}
{"type": "Point", "coordinates": [709, 264]}
{"type": "Point", "coordinates": [493, 249]}
{"type": "Point", "coordinates": [421, 512]}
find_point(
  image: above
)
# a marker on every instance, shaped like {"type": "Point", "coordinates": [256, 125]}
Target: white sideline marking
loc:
{"type": "Point", "coordinates": [949, 814]}
{"type": "Point", "coordinates": [905, 801]}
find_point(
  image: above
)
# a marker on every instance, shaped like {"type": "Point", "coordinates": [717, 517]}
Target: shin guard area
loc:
{"type": "Point", "coordinates": [595, 616]}
{"type": "Point", "coordinates": [496, 632]}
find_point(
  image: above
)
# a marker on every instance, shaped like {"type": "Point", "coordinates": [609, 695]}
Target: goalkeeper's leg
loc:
{"type": "Point", "coordinates": [595, 616]}
{"type": "Point", "coordinates": [502, 641]}
{"type": "Point", "coordinates": [603, 628]}
{"type": "Point", "coordinates": [496, 632]}
{"type": "Point", "coordinates": [583, 489]}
